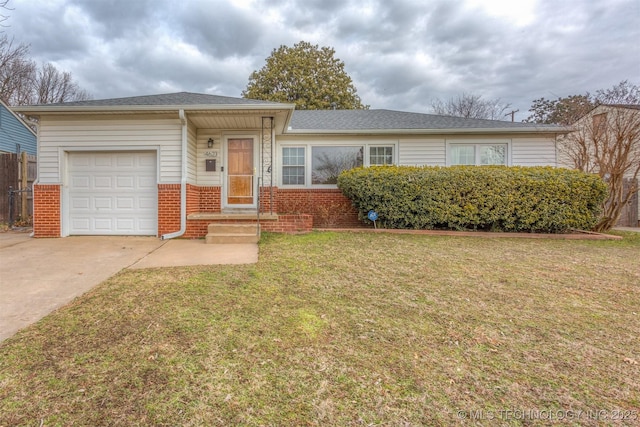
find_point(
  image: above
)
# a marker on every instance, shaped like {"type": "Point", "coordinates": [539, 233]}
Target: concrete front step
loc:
{"type": "Point", "coordinates": [221, 233]}
{"type": "Point", "coordinates": [231, 238]}
{"type": "Point", "coordinates": [234, 228]}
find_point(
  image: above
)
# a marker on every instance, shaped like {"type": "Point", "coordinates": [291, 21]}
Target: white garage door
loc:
{"type": "Point", "coordinates": [113, 193]}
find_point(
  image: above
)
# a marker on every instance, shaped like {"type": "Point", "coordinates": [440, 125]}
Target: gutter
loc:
{"type": "Point", "coordinates": [56, 108]}
{"type": "Point", "coordinates": [475, 131]}
{"type": "Point", "coordinates": [183, 183]}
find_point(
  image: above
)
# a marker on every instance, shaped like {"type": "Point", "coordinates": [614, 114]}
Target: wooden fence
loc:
{"type": "Point", "coordinates": [629, 214]}
{"type": "Point", "coordinates": [17, 172]}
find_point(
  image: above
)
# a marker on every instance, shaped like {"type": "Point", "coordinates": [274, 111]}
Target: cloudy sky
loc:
{"type": "Point", "coordinates": [401, 54]}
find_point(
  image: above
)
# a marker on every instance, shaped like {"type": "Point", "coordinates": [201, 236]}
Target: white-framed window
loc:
{"type": "Point", "coordinates": [327, 162]}
{"type": "Point", "coordinates": [293, 169]}
{"type": "Point", "coordinates": [311, 164]}
{"type": "Point", "coordinates": [380, 155]}
{"type": "Point", "coordinates": [478, 154]}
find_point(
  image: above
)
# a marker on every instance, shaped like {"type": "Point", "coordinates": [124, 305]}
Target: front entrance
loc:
{"type": "Point", "coordinates": [240, 173]}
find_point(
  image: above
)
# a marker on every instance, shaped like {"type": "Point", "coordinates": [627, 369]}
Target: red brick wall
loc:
{"type": "Point", "coordinates": [210, 199]}
{"type": "Point", "coordinates": [46, 210]}
{"type": "Point", "coordinates": [294, 223]}
{"type": "Point", "coordinates": [267, 202]}
{"type": "Point", "coordinates": [299, 210]}
{"type": "Point", "coordinates": [329, 207]}
{"type": "Point", "coordinates": [168, 208]}
{"type": "Point", "coordinates": [300, 223]}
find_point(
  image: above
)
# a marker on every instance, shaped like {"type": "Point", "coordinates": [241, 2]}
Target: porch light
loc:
{"type": "Point", "coordinates": [210, 143]}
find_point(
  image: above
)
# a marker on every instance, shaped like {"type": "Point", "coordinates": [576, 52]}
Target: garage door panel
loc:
{"type": "Point", "coordinates": [125, 224]}
{"type": "Point", "coordinates": [78, 203]}
{"type": "Point", "coordinates": [126, 182]}
{"type": "Point", "coordinates": [144, 163]}
{"type": "Point", "coordinates": [147, 182]}
{"type": "Point", "coordinates": [125, 203]}
{"type": "Point", "coordinates": [124, 161]}
{"type": "Point", "coordinates": [147, 203]}
{"type": "Point", "coordinates": [79, 160]}
{"type": "Point", "coordinates": [103, 161]}
{"type": "Point", "coordinates": [103, 182]}
{"type": "Point", "coordinates": [81, 182]}
{"type": "Point", "coordinates": [81, 224]}
{"type": "Point", "coordinates": [104, 224]}
{"type": "Point", "coordinates": [102, 202]}
{"type": "Point", "coordinates": [113, 193]}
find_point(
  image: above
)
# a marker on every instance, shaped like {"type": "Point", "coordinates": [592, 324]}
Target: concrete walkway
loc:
{"type": "Point", "coordinates": [630, 229]}
{"type": "Point", "coordinates": [38, 276]}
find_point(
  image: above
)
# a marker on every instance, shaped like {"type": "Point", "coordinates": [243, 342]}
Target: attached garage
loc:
{"type": "Point", "coordinates": [112, 193]}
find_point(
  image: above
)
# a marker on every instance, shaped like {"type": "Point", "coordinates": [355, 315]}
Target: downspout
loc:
{"type": "Point", "coordinates": [183, 183]}
{"type": "Point", "coordinates": [37, 181]}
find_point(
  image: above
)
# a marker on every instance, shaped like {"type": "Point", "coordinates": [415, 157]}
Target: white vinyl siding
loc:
{"type": "Point", "coordinates": [421, 152]}
{"type": "Point", "coordinates": [533, 152]}
{"type": "Point", "coordinates": [209, 178]}
{"type": "Point", "coordinates": [192, 154]}
{"type": "Point", "coordinates": [59, 135]}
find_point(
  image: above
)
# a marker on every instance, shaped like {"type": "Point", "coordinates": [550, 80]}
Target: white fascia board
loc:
{"type": "Point", "coordinates": [555, 130]}
{"type": "Point", "coordinates": [54, 109]}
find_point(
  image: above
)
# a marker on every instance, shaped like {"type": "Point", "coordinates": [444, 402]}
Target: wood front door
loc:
{"type": "Point", "coordinates": [240, 171]}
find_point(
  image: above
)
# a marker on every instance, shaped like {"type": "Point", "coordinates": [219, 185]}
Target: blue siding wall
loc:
{"type": "Point", "coordinates": [13, 131]}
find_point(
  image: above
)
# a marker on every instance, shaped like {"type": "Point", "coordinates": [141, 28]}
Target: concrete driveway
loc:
{"type": "Point", "coordinates": [38, 276]}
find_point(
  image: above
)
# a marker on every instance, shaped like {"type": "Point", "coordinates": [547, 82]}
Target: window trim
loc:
{"type": "Point", "coordinates": [477, 144]}
{"type": "Point", "coordinates": [308, 146]}
{"type": "Point", "coordinates": [282, 166]}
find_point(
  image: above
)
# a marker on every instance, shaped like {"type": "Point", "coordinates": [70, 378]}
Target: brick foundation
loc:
{"type": "Point", "coordinates": [299, 210]}
{"type": "Point", "coordinates": [328, 206]}
{"type": "Point", "coordinates": [168, 208]}
{"type": "Point", "coordinates": [46, 210]}
{"type": "Point", "coordinates": [295, 223]}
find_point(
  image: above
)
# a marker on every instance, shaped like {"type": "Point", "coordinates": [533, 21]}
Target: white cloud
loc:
{"type": "Point", "coordinates": [400, 54]}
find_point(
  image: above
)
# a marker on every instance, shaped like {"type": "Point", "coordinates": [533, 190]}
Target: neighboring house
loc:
{"type": "Point", "coordinates": [607, 122]}
{"type": "Point", "coordinates": [15, 135]}
{"type": "Point", "coordinates": [168, 165]}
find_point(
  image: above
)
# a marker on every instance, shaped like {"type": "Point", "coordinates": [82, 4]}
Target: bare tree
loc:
{"type": "Point", "coordinates": [4, 4]}
{"type": "Point", "coordinates": [21, 82]}
{"type": "Point", "coordinates": [52, 85]}
{"type": "Point", "coordinates": [16, 72]}
{"type": "Point", "coordinates": [471, 106]}
{"type": "Point", "coordinates": [607, 142]}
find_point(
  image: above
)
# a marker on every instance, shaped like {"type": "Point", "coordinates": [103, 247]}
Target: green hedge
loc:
{"type": "Point", "coordinates": [496, 198]}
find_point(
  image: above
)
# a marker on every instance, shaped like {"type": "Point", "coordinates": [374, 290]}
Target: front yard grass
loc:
{"type": "Point", "coordinates": [346, 329]}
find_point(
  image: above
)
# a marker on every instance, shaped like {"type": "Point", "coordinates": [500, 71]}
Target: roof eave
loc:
{"type": "Point", "coordinates": [553, 130]}
{"type": "Point", "coordinates": [58, 109]}
{"type": "Point", "coordinates": [20, 119]}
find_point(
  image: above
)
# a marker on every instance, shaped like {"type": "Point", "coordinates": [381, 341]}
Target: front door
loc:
{"type": "Point", "coordinates": [240, 170]}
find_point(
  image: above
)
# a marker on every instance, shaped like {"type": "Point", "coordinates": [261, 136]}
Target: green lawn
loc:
{"type": "Point", "coordinates": [346, 329]}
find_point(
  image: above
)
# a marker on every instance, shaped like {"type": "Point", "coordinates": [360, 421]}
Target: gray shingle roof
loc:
{"type": "Point", "coordinates": [354, 120]}
{"type": "Point", "coordinates": [169, 99]}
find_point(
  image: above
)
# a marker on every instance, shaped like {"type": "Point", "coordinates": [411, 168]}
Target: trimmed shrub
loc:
{"type": "Point", "coordinates": [495, 198]}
